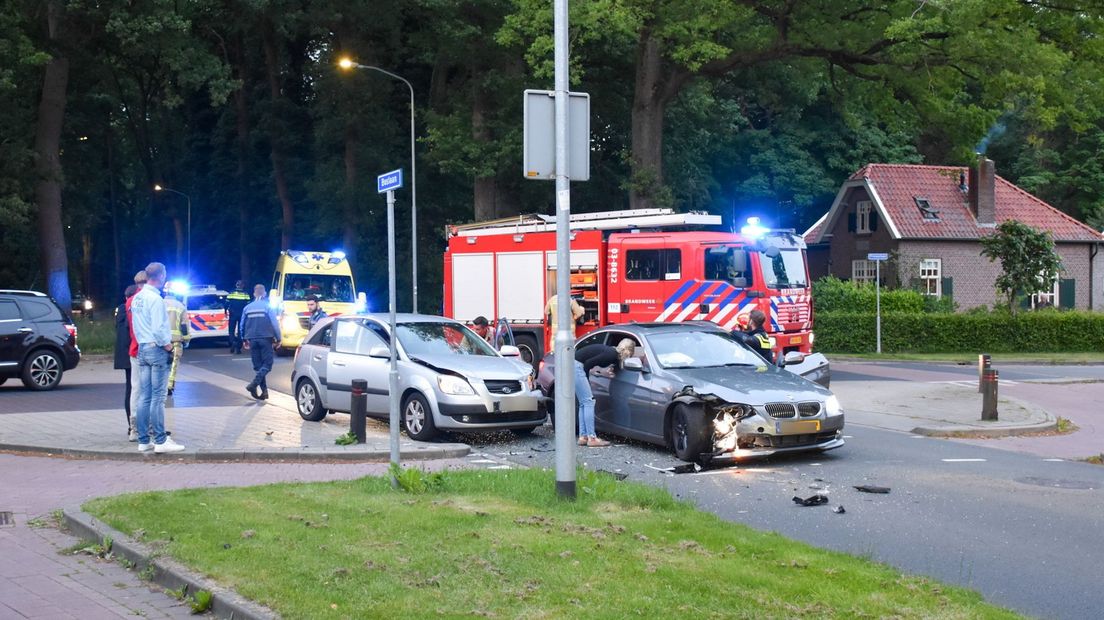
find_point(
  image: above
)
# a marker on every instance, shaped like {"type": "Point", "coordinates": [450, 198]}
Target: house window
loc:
{"type": "Point", "coordinates": [931, 273]}
{"type": "Point", "coordinates": [928, 212]}
{"type": "Point", "coordinates": [862, 216]}
{"type": "Point", "coordinates": [862, 270]}
{"type": "Point", "coordinates": [1046, 298]}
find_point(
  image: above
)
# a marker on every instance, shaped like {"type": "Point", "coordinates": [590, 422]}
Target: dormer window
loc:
{"type": "Point", "coordinates": [928, 212]}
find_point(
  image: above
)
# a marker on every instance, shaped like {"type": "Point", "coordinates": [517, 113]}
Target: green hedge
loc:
{"type": "Point", "coordinates": [996, 332]}
{"type": "Point", "coordinates": [830, 294]}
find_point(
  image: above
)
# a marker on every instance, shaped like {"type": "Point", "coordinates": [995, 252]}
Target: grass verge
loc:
{"type": "Point", "coordinates": [95, 336]}
{"type": "Point", "coordinates": [500, 544]}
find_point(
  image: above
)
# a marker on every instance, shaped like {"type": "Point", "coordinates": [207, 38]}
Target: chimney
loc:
{"type": "Point", "coordinates": [982, 191]}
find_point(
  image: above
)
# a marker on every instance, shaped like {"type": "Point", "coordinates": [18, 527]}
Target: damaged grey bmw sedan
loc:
{"type": "Point", "coordinates": [704, 395]}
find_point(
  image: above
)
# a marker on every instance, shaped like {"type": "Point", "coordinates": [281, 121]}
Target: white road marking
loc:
{"type": "Point", "coordinates": [848, 437]}
{"type": "Point", "coordinates": [500, 467]}
{"type": "Point", "coordinates": [1055, 460]}
{"type": "Point", "coordinates": [917, 437]}
{"type": "Point", "coordinates": [484, 461]}
{"type": "Point", "coordinates": [963, 460]}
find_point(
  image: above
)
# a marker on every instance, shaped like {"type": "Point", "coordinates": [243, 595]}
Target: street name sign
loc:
{"type": "Point", "coordinates": [389, 181]}
{"type": "Point", "coordinates": [877, 256]}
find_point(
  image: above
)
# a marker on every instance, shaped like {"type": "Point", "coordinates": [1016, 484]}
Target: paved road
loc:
{"type": "Point", "coordinates": [219, 359]}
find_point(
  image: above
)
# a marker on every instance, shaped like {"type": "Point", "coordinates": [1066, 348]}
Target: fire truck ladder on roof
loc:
{"type": "Point", "coordinates": [605, 220]}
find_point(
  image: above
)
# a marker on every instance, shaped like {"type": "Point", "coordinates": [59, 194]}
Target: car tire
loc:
{"type": "Point", "coordinates": [42, 370]}
{"type": "Point", "coordinates": [417, 418]}
{"type": "Point", "coordinates": [687, 432]}
{"type": "Point", "coordinates": [308, 402]}
{"type": "Point", "coordinates": [530, 353]}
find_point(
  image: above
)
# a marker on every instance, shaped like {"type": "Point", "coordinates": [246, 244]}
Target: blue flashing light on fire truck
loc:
{"type": "Point", "coordinates": [645, 265]}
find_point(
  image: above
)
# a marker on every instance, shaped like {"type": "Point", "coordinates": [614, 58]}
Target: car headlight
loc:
{"type": "Point", "coordinates": [291, 322]}
{"type": "Point", "coordinates": [87, 304]}
{"type": "Point", "coordinates": [454, 385]}
{"type": "Point", "coordinates": [832, 406]}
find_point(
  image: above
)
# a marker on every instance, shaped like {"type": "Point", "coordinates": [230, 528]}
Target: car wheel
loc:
{"type": "Point", "coordinates": [308, 402]}
{"type": "Point", "coordinates": [687, 432]}
{"type": "Point", "coordinates": [417, 418]}
{"type": "Point", "coordinates": [42, 371]}
{"type": "Point", "coordinates": [527, 345]}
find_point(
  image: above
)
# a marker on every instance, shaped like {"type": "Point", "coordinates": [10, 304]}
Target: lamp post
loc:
{"type": "Point", "coordinates": [188, 262]}
{"type": "Point", "coordinates": [348, 63]}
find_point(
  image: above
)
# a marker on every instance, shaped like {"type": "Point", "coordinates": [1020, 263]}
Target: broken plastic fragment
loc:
{"type": "Point", "coordinates": [812, 500]}
{"type": "Point", "coordinates": [839, 510]}
{"type": "Point", "coordinates": [866, 488]}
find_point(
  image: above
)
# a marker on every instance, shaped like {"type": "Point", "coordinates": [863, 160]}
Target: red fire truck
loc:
{"type": "Point", "coordinates": [648, 265]}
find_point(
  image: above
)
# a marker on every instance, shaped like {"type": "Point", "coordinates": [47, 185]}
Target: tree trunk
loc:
{"type": "Point", "coordinates": [51, 114]}
{"type": "Point", "coordinates": [484, 187]}
{"type": "Point", "coordinates": [241, 110]}
{"type": "Point", "coordinates": [86, 264]}
{"type": "Point", "coordinates": [278, 166]}
{"type": "Point", "coordinates": [649, 104]}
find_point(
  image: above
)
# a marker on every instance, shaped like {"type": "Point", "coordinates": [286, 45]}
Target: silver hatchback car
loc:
{"type": "Point", "coordinates": [449, 377]}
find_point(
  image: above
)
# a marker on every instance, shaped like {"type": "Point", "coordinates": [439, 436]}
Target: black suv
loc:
{"type": "Point", "coordinates": [38, 340]}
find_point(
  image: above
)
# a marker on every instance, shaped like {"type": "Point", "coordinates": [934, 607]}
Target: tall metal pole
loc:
{"type": "Point", "coordinates": [189, 260]}
{"type": "Point", "coordinates": [565, 342]}
{"type": "Point", "coordinates": [413, 187]}
{"type": "Point", "coordinates": [878, 300]}
{"type": "Point", "coordinates": [393, 373]}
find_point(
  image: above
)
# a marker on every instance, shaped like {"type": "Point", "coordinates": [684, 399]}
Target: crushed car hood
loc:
{"type": "Point", "coordinates": [751, 385]}
{"type": "Point", "coordinates": [476, 366]}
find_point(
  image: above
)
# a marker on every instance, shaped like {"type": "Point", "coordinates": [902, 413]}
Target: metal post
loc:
{"type": "Point", "coordinates": [393, 374]}
{"type": "Point", "coordinates": [564, 340]}
{"type": "Point", "coordinates": [413, 210]}
{"type": "Point", "coordinates": [990, 381]}
{"type": "Point", "coordinates": [984, 363]}
{"type": "Point", "coordinates": [878, 300]}
{"type": "Point", "coordinates": [189, 256]}
{"type": "Point", "coordinates": [358, 414]}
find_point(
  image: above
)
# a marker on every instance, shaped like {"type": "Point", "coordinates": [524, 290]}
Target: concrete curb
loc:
{"type": "Point", "coordinates": [302, 455]}
{"type": "Point", "coordinates": [167, 573]}
{"type": "Point", "coordinates": [964, 432]}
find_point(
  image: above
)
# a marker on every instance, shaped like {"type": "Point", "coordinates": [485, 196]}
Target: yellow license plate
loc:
{"type": "Point", "coordinates": [801, 426]}
{"type": "Point", "coordinates": [795, 340]}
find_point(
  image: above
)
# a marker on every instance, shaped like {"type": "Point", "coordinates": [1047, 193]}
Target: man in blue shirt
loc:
{"type": "Point", "coordinates": [261, 332]}
{"type": "Point", "coordinates": [151, 331]}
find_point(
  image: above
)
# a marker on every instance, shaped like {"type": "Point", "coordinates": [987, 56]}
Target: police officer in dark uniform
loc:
{"type": "Point", "coordinates": [235, 303]}
{"type": "Point", "coordinates": [755, 336]}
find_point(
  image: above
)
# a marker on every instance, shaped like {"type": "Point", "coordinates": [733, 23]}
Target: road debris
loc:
{"type": "Point", "coordinates": [839, 509]}
{"type": "Point", "coordinates": [866, 488]}
{"type": "Point", "coordinates": [616, 474]}
{"type": "Point", "coordinates": [812, 500]}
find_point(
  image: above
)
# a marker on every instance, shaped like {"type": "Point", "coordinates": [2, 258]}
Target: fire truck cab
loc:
{"type": "Point", "coordinates": [643, 266]}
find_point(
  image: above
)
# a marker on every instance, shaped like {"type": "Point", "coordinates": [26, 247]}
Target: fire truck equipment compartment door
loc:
{"type": "Point", "coordinates": [520, 287]}
{"type": "Point", "coordinates": [473, 286]}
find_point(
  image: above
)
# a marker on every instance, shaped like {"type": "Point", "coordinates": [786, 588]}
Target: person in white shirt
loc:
{"type": "Point", "coordinates": [154, 338]}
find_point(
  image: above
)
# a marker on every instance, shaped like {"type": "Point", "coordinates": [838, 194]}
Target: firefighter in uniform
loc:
{"type": "Point", "coordinates": [235, 303]}
{"type": "Point", "coordinates": [755, 336]}
{"type": "Point", "coordinates": [178, 325]}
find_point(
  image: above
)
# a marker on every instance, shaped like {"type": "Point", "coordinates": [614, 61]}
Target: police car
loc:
{"type": "Point", "coordinates": [206, 304]}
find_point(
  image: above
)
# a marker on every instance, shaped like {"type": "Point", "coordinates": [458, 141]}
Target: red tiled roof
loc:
{"type": "Point", "coordinates": [897, 185]}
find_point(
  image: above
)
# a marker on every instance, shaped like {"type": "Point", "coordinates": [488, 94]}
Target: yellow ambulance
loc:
{"type": "Point", "coordinates": [326, 275]}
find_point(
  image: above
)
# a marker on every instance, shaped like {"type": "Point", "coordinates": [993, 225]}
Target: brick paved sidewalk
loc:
{"type": "Point", "coordinates": [36, 581]}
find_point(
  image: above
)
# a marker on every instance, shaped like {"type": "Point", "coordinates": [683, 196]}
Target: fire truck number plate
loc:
{"type": "Point", "coordinates": [795, 340]}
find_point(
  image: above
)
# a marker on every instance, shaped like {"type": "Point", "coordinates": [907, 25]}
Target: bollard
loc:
{"type": "Point", "coordinates": [989, 382]}
{"type": "Point", "coordinates": [984, 363]}
{"type": "Point", "coordinates": [358, 413]}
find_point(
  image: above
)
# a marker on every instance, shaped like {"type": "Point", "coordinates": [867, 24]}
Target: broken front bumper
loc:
{"type": "Point", "coordinates": [760, 436]}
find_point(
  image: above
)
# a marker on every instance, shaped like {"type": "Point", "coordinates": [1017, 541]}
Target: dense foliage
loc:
{"type": "Point", "coordinates": [1027, 257]}
{"type": "Point", "coordinates": [1049, 331]}
{"type": "Point", "coordinates": [830, 294]}
{"type": "Point", "coordinates": [737, 108]}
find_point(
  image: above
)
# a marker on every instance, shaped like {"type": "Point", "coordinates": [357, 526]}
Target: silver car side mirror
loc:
{"type": "Point", "coordinates": [378, 351]}
{"type": "Point", "coordinates": [509, 350]}
{"type": "Point", "coordinates": [632, 363]}
{"type": "Point", "coordinates": [794, 357]}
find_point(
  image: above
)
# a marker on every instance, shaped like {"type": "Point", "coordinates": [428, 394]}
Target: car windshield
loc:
{"type": "Point", "coordinates": [786, 270]}
{"type": "Point", "coordinates": [326, 288]}
{"type": "Point", "coordinates": [435, 338]}
{"type": "Point", "coordinates": [704, 349]}
{"type": "Point", "coordinates": [205, 302]}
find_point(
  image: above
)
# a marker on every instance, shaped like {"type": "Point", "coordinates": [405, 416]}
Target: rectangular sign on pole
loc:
{"type": "Point", "coordinates": [539, 136]}
{"type": "Point", "coordinates": [389, 181]}
{"type": "Point", "coordinates": [877, 256]}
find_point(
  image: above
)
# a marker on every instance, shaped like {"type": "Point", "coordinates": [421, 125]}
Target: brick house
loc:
{"type": "Point", "coordinates": [929, 219]}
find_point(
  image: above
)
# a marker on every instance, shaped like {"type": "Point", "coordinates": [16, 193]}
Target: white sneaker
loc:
{"type": "Point", "coordinates": [168, 446]}
{"type": "Point", "coordinates": [144, 447]}
{"type": "Point", "coordinates": [132, 435]}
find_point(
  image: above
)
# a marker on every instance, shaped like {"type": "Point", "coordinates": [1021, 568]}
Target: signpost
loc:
{"type": "Point", "coordinates": [387, 183]}
{"type": "Point", "coordinates": [878, 257]}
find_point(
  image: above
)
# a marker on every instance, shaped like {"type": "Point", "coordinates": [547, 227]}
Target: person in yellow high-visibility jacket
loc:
{"type": "Point", "coordinates": [178, 325]}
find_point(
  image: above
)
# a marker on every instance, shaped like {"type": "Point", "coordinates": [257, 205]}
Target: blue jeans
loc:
{"type": "Point", "coordinates": [586, 401]}
{"type": "Point", "coordinates": [261, 352]}
{"type": "Point", "coordinates": [153, 381]}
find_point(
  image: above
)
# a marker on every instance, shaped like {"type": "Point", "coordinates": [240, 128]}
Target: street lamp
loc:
{"type": "Point", "coordinates": [348, 63]}
{"type": "Point", "coordinates": [188, 263]}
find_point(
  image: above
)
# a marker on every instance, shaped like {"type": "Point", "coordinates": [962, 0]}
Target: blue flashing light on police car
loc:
{"type": "Point", "coordinates": [177, 287]}
{"type": "Point", "coordinates": [753, 230]}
